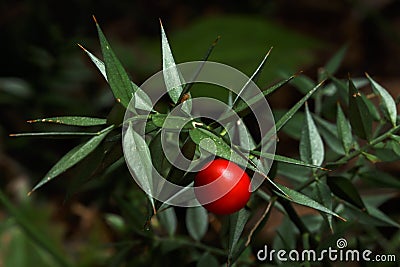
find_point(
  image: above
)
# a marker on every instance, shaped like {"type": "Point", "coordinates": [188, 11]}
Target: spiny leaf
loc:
{"type": "Point", "coordinates": [333, 64]}
{"type": "Point", "coordinates": [117, 77]}
{"type": "Point", "coordinates": [288, 160]}
{"type": "Point", "coordinates": [138, 159]}
{"type": "Point", "coordinates": [172, 78]}
{"type": "Point", "coordinates": [73, 120]}
{"type": "Point", "coordinates": [142, 100]}
{"type": "Point", "coordinates": [304, 200]}
{"type": "Point", "coordinates": [311, 146]}
{"type": "Point", "coordinates": [97, 62]}
{"type": "Point", "coordinates": [282, 121]}
{"type": "Point", "coordinates": [329, 133]}
{"type": "Point", "coordinates": [237, 221]}
{"type": "Point", "coordinates": [324, 197]}
{"type": "Point", "coordinates": [73, 157]}
{"type": "Point", "coordinates": [252, 79]}
{"type": "Point", "coordinates": [344, 130]}
{"type": "Point", "coordinates": [55, 134]}
{"type": "Point", "coordinates": [243, 108]}
{"type": "Point", "coordinates": [359, 114]}
{"type": "Point", "coordinates": [188, 86]}
{"type": "Point", "coordinates": [387, 100]}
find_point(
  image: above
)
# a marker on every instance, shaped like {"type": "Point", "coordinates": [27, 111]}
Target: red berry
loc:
{"type": "Point", "coordinates": [227, 187]}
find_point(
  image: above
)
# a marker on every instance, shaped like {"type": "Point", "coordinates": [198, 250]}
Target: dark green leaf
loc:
{"type": "Point", "coordinates": [304, 200]}
{"type": "Point", "coordinates": [284, 159]}
{"type": "Point", "coordinates": [168, 220]}
{"type": "Point", "coordinates": [56, 134]}
{"type": "Point", "coordinates": [387, 100]}
{"type": "Point", "coordinates": [139, 159]}
{"type": "Point", "coordinates": [252, 79]}
{"type": "Point", "coordinates": [171, 122]}
{"type": "Point", "coordinates": [323, 194]}
{"type": "Point", "coordinates": [237, 221]}
{"type": "Point", "coordinates": [215, 145]}
{"type": "Point", "coordinates": [388, 151]}
{"type": "Point", "coordinates": [207, 260]}
{"type": "Point", "coordinates": [378, 214]}
{"type": "Point", "coordinates": [344, 130]}
{"type": "Point", "coordinates": [73, 157]}
{"type": "Point", "coordinates": [303, 83]}
{"type": "Point", "coordinates": [380, 179]}
{"type": "Point", "coordinates": [344, 189]}
{"type": "Point", "coordinates": [334, 63]}
{"type": "Point", "coordinates": [329, 133]}
{"type": "Point", "coordinates": [172, 78]}
{"type": "Point", "coordinates": [196, 222]}
{"type": "Point", "coordinates": [117, 77]}
{"type": "Point", "coordinates": [97, 62]}
{"type": "Point", "coordinates": [311, 146]}
{"type": "Point", "coordinates": [243, 108]}
{"type": "Point", "coordinates": [72, 120]}
{"type": "Point", "coordinates": [282, 121]}
{"type": "Point", "coordinates": [142, 100]}
{"type": "Point", "coordinates": [359, 114]}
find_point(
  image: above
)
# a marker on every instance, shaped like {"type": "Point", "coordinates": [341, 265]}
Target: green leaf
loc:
{"type": "Point", "coordinates": [359, 114]}
{"type": "Point", "coordinates": [304, 200]}
{"type": "Point", "coordinates": [237, 221]}
{"type": "Point", "coordinates": [168, 220]}
{"type": "Point", "coordinates": [142, 100]}
{"type": "Point", "coordinates": [344, 130]}
{"type": "Point", "coordinates": [243, 108]}
{"type": "Point", "coordinates": [171, 122]}
{"type": "Point", "coordinates": [207, 260]}
{"type": "Point", "coordinates": [311, 146]}
{"type": "Point", "coordinates": [388, 151]}
{"type": "Point", "coordinates": [284, 159]}
{"type": "Point", "coordinates": [172, 78]}
{"type": "Point", "coordinates": [122, 87]}
{"type": "Point", "coordinates": [303, 83]}
{"type": "Point", "coordinates": [97, 62]}
{"type": "Point", "coordinates": [73, 157]}
{"type": "Point", "coordinates": [344, 189]}
{"type": "Point", "coordinates": [215, 145]}
{"type": "Point", "coordinates": [324, 197]}
{"type": "Point", "coordinates": [196, 222]}
{"type": "Point", "coordinates": [334, 63]}
{"type": "Point", "coordinates": [252, 79]}
{"type": "Point", "coordinates": [380, 179]}
{"type": "Point", "coordinates": [282, 121]}
{"type": "Point", "coordinates": [56, 134]}
{"type": "Point", "coordinates": [329, 133]}
{"type": "Point", "coordinates": [378, 214]}
{"type": "Point", "coordinates": [72, 120]}
{"type": "Point", "coordinates": [388, 102]}
{"type": "Point", "coordinates": [139, 159]}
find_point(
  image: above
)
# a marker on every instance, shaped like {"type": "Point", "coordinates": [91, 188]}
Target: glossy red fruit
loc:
{"type": "Point", "coordinates": [221, 175]}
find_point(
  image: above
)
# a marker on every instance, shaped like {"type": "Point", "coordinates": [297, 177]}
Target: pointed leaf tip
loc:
{"type": "Point", "coordinates": [94, 18]}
